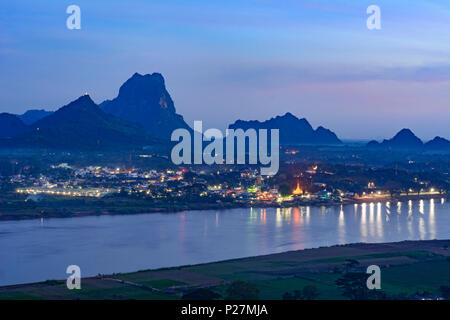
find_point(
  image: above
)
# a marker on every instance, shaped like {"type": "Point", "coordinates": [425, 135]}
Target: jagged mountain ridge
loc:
{"type": "Point", "coordinates": [293, 131]}
{"type": "Point", "coordinates": [33, 115]}
{"type": "Point", "coordinates": [405, 139]}
{"type": "Point", "coordinates": [144, 99]}
{"type": "Point", "coordinates": [83, 125]}
{"type": "Point", "coordinates": [144, 110]}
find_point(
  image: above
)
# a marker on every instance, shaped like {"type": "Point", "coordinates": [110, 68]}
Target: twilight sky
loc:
{"type": "Point", "coordinates": [240, 59]}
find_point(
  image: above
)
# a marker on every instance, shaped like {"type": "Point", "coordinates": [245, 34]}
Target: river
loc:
{"type": "Point", "coordinates": [38, 250]}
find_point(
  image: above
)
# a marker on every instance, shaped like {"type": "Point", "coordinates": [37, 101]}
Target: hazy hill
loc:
{"type": "Point", "coordinates": [11, 125]}
{"type": "Point", "coordinates": [437, 144]}
{"type": "Point", "coordinates": [293, 131]}
{"type": "Point", "coordinates": [404, 139]}
{"type": "Point", "coordinates": [83, 125]}
{"type": "Point", "coordinates": [31, 116]}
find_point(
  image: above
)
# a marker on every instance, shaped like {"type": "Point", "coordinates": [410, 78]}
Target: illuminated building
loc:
{"type": "Point", "coordinates": [298, 190]}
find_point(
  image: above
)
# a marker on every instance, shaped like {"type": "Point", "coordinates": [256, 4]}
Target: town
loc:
{"type": "Point", "coordinates": [143, 185]}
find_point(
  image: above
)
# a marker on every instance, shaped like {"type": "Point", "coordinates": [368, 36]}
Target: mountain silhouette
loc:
{"type": "Point", "coordinates": [293, 131]}
{"type": "Point", "coordinates": [144, 99]}
{"type": "Point", "coordinates": [404, 139]}
{"type": "Point", "coordinates": [31, 116]}
{"type": "Point", "coordinates": [437, 144]}
{"type": "Point", "coordinates": [11, 125]}
{"type": "Point", "coordinates": [83, 125]}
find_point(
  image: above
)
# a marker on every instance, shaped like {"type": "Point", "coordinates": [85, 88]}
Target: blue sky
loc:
{"type": "Point", "coordinates": [247, 59]}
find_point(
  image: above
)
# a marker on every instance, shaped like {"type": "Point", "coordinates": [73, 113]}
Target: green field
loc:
{"type": "Point", "coordinates": [408, 269]}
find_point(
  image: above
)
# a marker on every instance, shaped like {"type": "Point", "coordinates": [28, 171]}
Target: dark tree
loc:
{"type": "Point", "coordinates": [353, 285]}
{"type": "Point", "coordinates": [201, 294]}
{"type": "Point", "coordinates": [285, 190]}
{"type": "Point", "coordinates": [242, 290]}
{"type": "Point", "coordinates": [310, 292]}
{"type": "Point", "coordinates": [288, 296]}
{"type": "Point", "coordinates": [351, 263]}
{"type": "Point", "coordinates": [445, 291]}
{"type": "Point", "coordinates": [307, 293]}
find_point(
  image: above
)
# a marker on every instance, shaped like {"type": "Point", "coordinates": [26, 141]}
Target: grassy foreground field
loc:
{"type": "Point", "coordinates": [407, 268]}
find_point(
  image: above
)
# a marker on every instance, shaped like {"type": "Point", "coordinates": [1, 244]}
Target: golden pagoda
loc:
{"type": "Point", "coordinates": [298, 190]}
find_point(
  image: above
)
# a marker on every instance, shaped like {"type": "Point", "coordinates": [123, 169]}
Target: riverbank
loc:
{"type": "Point", "coordinates": [67, 208]}
{"type": "Point", "coordinates": [409, 270]}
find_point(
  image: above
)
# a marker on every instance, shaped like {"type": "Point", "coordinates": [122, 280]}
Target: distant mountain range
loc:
{"type": "Point", "coordinates": [11, 125]}
{"type": "Point", "coordinates": [293, 131]}
{"type": "Point", "coordinates": [438, 143]}
{"type": "Point", "coordinates": [144, 114]}
{"type": "Point", "coordinates": [31, 116]}
{"type": "Point", "coordinates": [405, 139]}
{"type": "Point", "coordinates": [144, 99]}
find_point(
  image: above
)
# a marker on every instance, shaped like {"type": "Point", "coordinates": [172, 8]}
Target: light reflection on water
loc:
{"type": "Point", "coordinates": [37, 250]}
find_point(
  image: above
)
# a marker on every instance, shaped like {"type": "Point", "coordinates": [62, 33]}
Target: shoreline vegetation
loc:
{"type": "Point", "coordinates": [69, 208]}
{"type": "Point", "coordinates": [409, 270]}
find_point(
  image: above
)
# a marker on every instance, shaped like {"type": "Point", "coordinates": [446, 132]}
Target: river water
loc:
{"type": "Point", "coordinates": [38, 250]}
